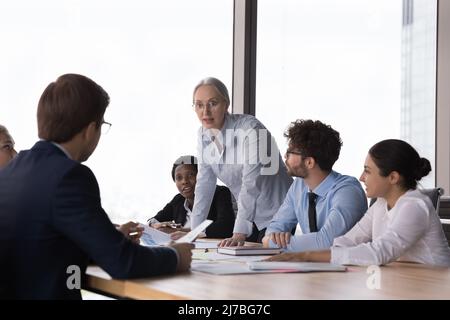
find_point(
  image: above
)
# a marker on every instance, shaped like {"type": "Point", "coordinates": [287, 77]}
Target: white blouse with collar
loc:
{"type": "Point", "coordinates": [410, 231]}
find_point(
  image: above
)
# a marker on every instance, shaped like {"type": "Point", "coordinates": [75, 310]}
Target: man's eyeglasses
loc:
{"type": "Point", "coordinates": [105, 127]}
{"type": "Point", "coordinates": [211, 104]}
{"type": "Point", "coordinates": [288, 152]}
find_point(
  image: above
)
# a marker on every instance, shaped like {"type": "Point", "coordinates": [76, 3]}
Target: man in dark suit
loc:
{"type": "Point", "coordinates": [52, 222]}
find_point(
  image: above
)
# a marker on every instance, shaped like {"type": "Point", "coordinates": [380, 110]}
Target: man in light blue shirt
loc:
{"type": "Point", "coordinates": [323, 202]}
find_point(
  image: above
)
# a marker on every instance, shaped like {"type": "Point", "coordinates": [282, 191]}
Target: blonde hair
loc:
{"type": "Point", "coordinates": [216, 83]}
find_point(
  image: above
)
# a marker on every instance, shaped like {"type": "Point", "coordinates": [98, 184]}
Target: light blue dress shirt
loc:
{"type": "Point", "coordinates": [244, 156]}
{"type": "Point", "coordinates": [341, 202]}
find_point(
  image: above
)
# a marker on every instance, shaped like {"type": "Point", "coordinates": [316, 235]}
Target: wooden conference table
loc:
{"type": "Point", "coordinates": [397, 281]}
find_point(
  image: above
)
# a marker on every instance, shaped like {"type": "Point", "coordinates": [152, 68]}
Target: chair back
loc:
{"type": "Point", "coordinates": [444, 214]}
{"type": "Point", "coordinates": [435, 196]}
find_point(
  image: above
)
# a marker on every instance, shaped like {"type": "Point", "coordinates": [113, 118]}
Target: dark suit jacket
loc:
{"type": "Point", "coordinates": [221, 212]}
{"type": "Point", "coordinates": [51, 219]}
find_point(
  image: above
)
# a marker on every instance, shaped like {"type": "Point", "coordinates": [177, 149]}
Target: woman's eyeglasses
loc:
{"type": "Point", "coordinates": [8, 146]}
{"type": "Point", "coordinates": [200, 106]}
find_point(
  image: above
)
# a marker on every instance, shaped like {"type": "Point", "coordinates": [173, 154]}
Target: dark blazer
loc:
{"type": "Point", "coordinates": [221, 212]}
{"type": "Point", "coordinates": [51, 219]}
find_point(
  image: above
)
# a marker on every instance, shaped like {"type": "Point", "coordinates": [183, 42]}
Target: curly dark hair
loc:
{"type": "Point", "coordinates": [315, 139]}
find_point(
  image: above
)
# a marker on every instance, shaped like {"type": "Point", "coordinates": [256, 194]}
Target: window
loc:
{"type": "Point", "coordinates": [148, 55]}
{"type": "Point", "coordinates": [365, 67]}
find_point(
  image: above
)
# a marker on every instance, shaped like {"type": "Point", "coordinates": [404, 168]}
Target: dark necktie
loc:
{"type": "Point", "coordinates": [312, 211]}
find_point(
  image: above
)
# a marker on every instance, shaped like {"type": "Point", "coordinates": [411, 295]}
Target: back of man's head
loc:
{"type": "Point", "coordinates": [68, 105]}
{"type": "Point", "coordinates": [317, 140]}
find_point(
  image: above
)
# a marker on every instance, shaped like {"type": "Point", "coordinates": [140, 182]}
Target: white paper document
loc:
{"type": "Point", "coordinates": [195, 232]}
{"type": "Point", "coordinates": [229, 268]}
{"type": "Point", "coordinates": [153, 237]}
{"type": "Point", "coordinates": [294, 266]}
{"type": "Point", "coordinates": [223, 268]}
{"type": "Point", "coordinates": [199, 244]}
{"type": "Point", "coordinates": [233, 267]}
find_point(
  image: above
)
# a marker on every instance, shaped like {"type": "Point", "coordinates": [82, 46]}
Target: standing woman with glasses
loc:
{"type": "Point", "coordinates": [240, 151]}
{"type": "Point", "coordinates": [7, 152]}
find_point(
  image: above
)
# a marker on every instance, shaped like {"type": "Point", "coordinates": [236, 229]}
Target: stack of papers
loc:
{"type": "Point", "coordinates": [248, 250]}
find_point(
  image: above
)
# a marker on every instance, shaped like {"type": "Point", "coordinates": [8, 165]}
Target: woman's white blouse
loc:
{"type": "Point", "coordinates": [245, 157]}
{"type": "Point", "coordinates": [410, 231]}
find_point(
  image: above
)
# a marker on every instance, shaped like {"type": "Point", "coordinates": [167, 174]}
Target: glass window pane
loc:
{"type": "Point", "coordinates": [148, 55]}
{"type": "Point", "coordinates": [366, 67]}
